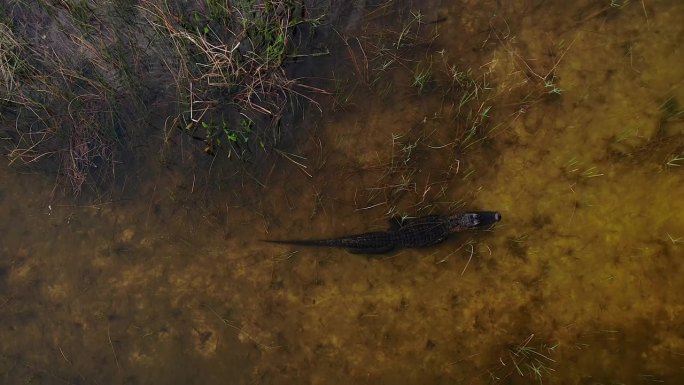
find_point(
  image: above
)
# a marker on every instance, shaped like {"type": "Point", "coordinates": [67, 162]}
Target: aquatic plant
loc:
{"type": "Point", "coordinates": [532, 361]}
{"type": "Point", "coordinates": [676, 160]}
{"type": "Point", "coordinates": [394, 62]}
{"type": "Point", "coordinates": [422, 75]}
{"type": "Point", "coordinates": [618, 3]}
{"type": "Point", "coordinates": [576, 168]}
{"type": "Point", "coordinates": [671, 110]}
{"type": "Point", "coordinates": [526, 360]}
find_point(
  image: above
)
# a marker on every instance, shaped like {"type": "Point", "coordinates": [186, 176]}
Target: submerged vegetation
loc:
{"type": "Point", "coordinates": [403, 62]}
{"type": "Point", "coordinates": [568, 120]}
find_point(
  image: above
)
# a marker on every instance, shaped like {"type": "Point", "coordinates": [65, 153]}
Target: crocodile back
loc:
{"type": "Point", "coordinates": [374, 240]}
{"type": "Point", "coordinates": [425, 231]}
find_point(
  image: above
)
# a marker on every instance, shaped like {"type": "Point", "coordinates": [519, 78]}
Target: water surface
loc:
{"type": "Point", "coordinates": [577, 146]}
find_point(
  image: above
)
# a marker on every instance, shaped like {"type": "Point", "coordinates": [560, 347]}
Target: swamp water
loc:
{"type": "Point", "coordinates": [579, 144]}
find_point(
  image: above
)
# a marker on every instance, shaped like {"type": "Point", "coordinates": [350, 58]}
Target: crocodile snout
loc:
{"type": "Point", "coordinates": [487, 218]}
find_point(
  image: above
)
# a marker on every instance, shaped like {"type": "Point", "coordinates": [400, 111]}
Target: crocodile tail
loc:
{"type": "Point", "coordinates": [308, 242]}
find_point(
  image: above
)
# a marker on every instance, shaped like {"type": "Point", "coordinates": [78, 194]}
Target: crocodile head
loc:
{"type": "Point", "coordinates": [473, 220]}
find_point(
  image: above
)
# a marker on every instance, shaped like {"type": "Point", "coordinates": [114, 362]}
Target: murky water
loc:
{"type": "Point", "coordinates": [578, 142]}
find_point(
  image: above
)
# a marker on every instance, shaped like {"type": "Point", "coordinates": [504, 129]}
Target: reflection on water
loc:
{"type": "Point", "coordinates": [579, 145]}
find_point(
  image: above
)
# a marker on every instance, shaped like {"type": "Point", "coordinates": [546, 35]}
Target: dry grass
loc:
{"type": "Point", "coordinates": [9, 61]}
{"type": "Point", "coordinates": [230, 70]}
{"type": "Point", "coordinates": [77, 85]}
{"type": "Point", "coordinates": [63, 102]}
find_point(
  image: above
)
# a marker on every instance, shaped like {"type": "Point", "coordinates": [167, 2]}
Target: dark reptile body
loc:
{"type": "Point", "coordinates": [417, 232]}
{"type": "Point", "coordinates": [421, 232]}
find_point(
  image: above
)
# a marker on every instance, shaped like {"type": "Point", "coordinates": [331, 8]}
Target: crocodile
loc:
{"type": "Point", "coordinates": [409, 233]}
